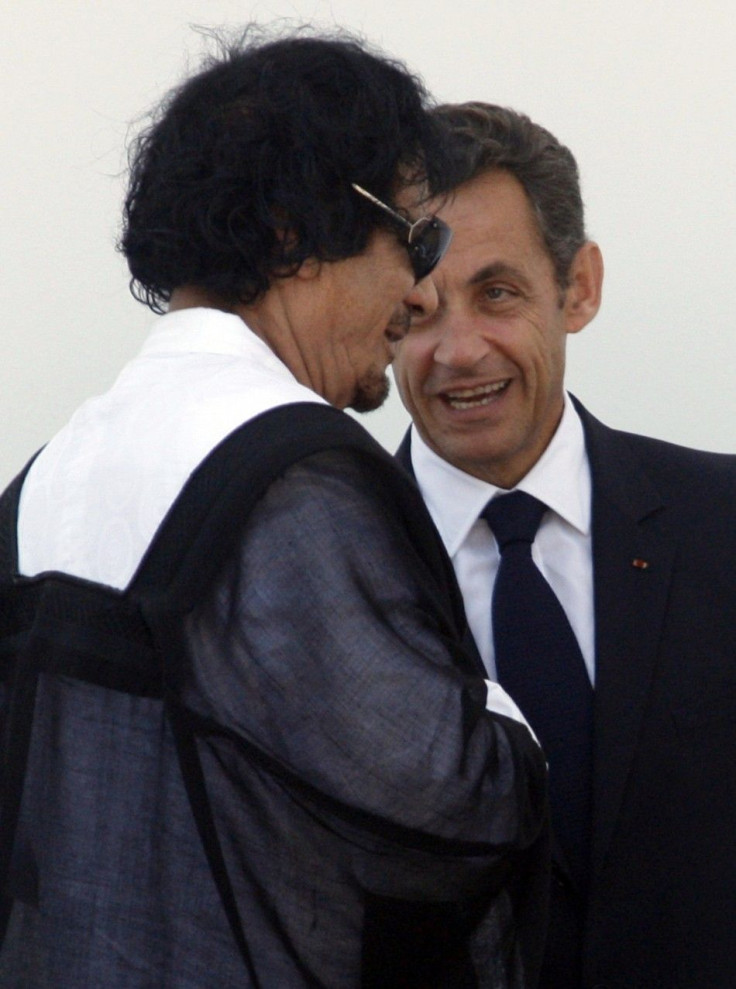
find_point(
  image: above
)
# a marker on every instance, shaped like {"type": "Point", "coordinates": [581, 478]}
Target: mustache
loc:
{"type": "Point", "coordinates": [400, 321]}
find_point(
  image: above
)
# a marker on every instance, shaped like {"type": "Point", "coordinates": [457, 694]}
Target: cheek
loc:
{"type": "Point", "coordinates": [547, 374]}
{"type": "Point", "coordinates": [399, 373]}
{"type": "Point", "coordinates": [545, 350]}
{"type": "Point", "coordinates": [408, 366]}
{"type": "Point", "coordinates": [556, 356]}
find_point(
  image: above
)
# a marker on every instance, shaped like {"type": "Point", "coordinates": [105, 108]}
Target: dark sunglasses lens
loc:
{"type": "Point", "coordinates": [429, 241]}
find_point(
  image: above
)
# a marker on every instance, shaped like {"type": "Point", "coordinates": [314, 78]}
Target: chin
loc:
{"type": "Point", "coordinates": [370, 393]}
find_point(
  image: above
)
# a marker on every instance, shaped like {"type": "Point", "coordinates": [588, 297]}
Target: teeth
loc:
{"type": "Point", "coordinates": [478, 390]}
{"type": "Point", "coordinates": [468, 398]}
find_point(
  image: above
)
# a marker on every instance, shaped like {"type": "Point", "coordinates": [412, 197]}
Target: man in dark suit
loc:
{"type": "Point", "coordinates": [637, 542]}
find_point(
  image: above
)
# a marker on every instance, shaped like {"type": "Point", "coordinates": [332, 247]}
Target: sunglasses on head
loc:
{"type": "Point", "coordinates": [426, 239]}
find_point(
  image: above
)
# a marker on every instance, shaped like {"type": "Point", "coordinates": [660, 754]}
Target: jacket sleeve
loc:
{"type": "Point", "coordinates": [319, 649]}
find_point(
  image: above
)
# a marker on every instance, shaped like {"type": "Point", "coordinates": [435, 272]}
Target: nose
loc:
{"type": "Point", "coordinates": [459, 343]}
{"type": "Point", "coordinates": [422, 300]}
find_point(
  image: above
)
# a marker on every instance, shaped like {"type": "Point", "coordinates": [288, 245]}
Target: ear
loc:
{"type": "Point", "coordinates": [583, 295]}
{"type": "Point", "coordinates": [309, 269]}
{"type": "Point", "coordinates": [286, 238]}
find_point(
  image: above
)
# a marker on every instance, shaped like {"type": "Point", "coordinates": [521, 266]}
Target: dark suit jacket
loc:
{"type": "Point", "coordinates": [661, 913]}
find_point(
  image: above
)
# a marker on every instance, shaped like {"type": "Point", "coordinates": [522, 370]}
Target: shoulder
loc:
{"type": "Point", "coordinates": [681, 462]}
{"type": "Point", "coordinates": [302, 479]}
{"type": "Point", "coordinates": [320, 459]}
{"type": "Point", "coordinates": [357, 508]}
{"type": "Point", "coordinates": [676, 470]}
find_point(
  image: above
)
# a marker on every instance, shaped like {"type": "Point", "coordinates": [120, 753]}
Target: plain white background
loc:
{"type": "Point", "coordinates": [643, 91]}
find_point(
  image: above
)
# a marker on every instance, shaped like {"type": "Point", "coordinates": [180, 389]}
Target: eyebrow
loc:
{"type": "Point", "coordinates": [493, 271]}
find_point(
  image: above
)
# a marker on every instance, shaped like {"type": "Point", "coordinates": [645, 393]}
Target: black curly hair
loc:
{"type": "Point", "coordinates": [246, 168]}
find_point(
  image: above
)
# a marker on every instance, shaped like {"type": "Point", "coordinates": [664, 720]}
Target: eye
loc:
{"type": "Point", "coordinates": [498, 293]}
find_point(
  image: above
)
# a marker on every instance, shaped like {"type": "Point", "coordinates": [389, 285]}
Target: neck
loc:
{"type": "Point", "coordinates": [193, 297]}
{"type": "Point", "coordinates": [270, 317]}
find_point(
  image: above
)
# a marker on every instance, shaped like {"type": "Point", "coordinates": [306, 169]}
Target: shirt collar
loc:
{"type": "Point", "coordinates": [560, 478]}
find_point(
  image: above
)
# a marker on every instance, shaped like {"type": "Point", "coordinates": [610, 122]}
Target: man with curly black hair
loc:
{"type": "Point", "coordinates": [243, 743]}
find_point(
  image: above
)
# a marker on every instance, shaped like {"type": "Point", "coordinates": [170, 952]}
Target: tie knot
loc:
{"type": "Point", "coordinates": [514, 518]}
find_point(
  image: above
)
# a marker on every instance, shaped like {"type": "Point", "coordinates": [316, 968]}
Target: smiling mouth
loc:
{"type": "Point", "coordinates": [473, 398]}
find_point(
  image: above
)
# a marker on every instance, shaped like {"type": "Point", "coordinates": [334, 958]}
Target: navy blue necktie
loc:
{"type": "Point", "coordinates": [539, 663]}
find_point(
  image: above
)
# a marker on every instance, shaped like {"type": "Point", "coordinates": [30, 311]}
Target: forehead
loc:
{"type": "Point", "coordinates": [492, 222]}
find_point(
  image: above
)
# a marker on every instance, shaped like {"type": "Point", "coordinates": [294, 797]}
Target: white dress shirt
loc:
{"type": "Point", "coordinates": [562, 549]}
{"type": "Point", "coordinates": [95, 496]}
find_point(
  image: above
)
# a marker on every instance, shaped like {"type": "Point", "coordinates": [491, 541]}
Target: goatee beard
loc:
{"type": "Point", "coordinates": [370, 392]}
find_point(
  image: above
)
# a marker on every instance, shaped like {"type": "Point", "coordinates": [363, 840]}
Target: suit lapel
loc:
{"type": "Point", "coordinates": [632, 564]}
{"type": "Point", "coordinates": [403, 454]}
